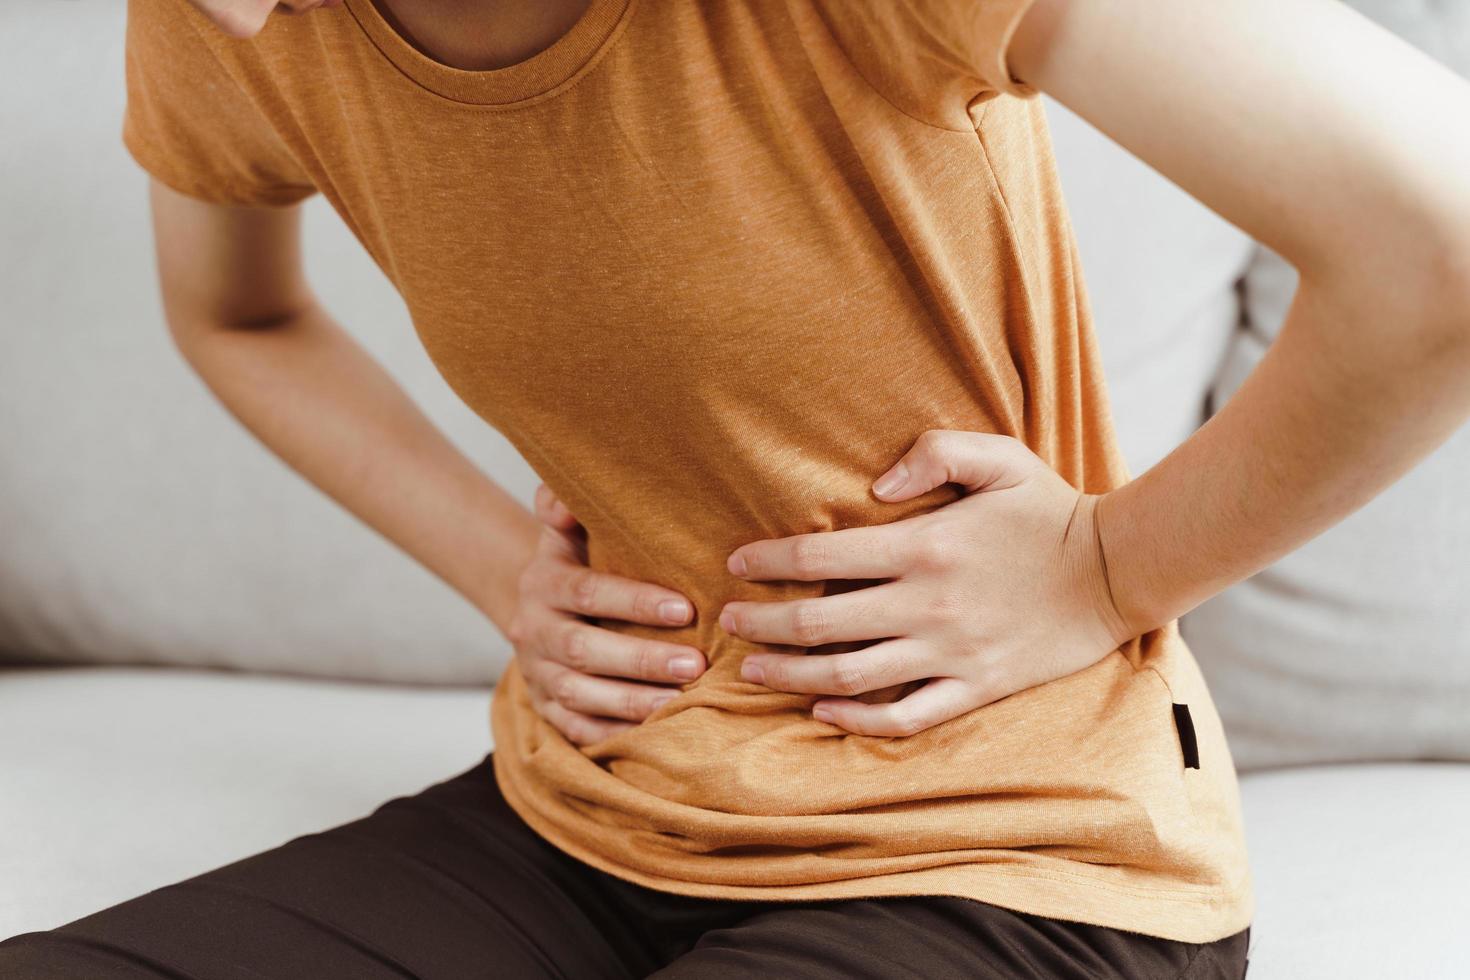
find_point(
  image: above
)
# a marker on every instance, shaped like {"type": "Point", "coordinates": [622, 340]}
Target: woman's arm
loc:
{"type": "Point", "coordinates": [1348, 152]}
{"type": "Point", "coordinates": [242, 315]}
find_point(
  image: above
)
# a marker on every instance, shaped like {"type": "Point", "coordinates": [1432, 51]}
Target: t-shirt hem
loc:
{"type": "Point", "coordinates": [1198, 915]}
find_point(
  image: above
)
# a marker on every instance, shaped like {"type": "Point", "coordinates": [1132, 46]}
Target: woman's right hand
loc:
{"type": "Point", "coordinates": [571, 666]}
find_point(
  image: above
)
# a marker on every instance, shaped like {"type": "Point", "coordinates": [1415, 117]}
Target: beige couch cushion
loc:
{"type": "Point", "coordinates": [115, 780]}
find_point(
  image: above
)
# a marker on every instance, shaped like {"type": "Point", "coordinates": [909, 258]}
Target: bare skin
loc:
{"type": "Point", "coordinates": [1256, 108]}
{"type": "Point", "coordinates": [468, 34]}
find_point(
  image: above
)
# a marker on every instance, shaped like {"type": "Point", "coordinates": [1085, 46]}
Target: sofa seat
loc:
{"type": "Point", "coordinates": [116, 780]}
{"type": "Point", "coordinates": [1360, 871]}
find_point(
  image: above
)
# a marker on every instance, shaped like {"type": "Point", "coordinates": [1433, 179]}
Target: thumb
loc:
{"type": "Point", "coordinates": [976, 460]}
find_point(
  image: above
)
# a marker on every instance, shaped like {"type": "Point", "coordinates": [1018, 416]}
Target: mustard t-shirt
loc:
{"type": "Point", "coordinates": [712, 267]}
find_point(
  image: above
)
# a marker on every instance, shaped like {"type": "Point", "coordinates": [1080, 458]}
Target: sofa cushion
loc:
{"type": "Point", "coordinates": [115, 780]}
{"type": "Point", "coordinates": [1359, 871]}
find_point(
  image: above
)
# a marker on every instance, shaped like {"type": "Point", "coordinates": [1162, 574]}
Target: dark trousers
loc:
{"type": "Point", "coordinates": [449, 883]}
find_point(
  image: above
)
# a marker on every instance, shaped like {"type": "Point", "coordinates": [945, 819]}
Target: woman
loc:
{"type": "Point", "coordinates": [780, 299]}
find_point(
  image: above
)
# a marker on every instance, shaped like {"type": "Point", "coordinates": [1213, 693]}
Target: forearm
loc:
{"type": "Point", "coordinates": [1360, 385]}
{"type": "Point", "coordinates": [321, 403]}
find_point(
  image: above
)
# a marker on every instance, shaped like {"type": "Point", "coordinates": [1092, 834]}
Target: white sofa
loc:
{"type": "Point", "coordinates": [200, 656]}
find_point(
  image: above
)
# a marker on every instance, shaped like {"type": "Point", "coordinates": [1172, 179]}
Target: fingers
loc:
{"type": "Point", "coordinates": [558, 661]}
{"type": "Point", "coordinates": [876, 551]}
{"type": "Point", "coordinates": [572, 667]}
{"type": "Point", "coordinates": [868, 669]}
{"type": "Point", "coordinates": [579, 729]}
{"type": "Point", "coordinates": [576, 588]}
{"type": "Point", "coordinates": [873, 613]}
{"type": "Point", "coordinates": [571, 586]}
{"type": "Point", "coordinates": [976, 460]}
{"type": "Point", "coordinates": [591, 649]}
{"type": "Point", "coordinates": [937, 701]}
{"type": "Point", "coordinates": [601, 696]}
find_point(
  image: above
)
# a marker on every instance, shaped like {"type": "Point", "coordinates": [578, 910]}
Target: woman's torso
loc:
{"type": "Point", "coordinates": [711, 282]}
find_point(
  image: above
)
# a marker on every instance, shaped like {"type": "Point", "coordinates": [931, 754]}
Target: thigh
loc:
{"type": "Point", "coordinates": [929, 936]}
{"type": "Point", "coordinates": [444, 884]}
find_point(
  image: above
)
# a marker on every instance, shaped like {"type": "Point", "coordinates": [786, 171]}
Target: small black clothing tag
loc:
{"type": "Point", "coordinates": [1187, 741]}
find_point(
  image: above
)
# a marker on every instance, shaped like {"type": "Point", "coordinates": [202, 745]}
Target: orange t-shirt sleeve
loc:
{"type": "Point", "coordinates": [189, 123]}
{"type": "Point", "coordinates": [986, 28]}
{"type": "Point", "coordinates": [932, 58]}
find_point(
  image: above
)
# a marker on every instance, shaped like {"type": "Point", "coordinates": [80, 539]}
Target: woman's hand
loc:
{"type": "Point", "coordinates": [1001, 590]}
{"type": "Point", "coordinates": [569, 663]}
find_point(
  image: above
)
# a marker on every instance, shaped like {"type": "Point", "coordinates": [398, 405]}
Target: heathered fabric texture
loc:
{"type": "Point", "coordinates": [712, 267]}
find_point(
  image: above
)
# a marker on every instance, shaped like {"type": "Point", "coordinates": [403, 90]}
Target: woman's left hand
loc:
{"type": "Point", "coordinates": [999, 591]}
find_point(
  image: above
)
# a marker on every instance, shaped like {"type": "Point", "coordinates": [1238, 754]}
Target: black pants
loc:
{"type": "Point", "coordinates": [449, 883]}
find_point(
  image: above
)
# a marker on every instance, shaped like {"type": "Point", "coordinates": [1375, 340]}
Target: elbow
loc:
{"type": "Point", "coordinates": [1410, 283]}
{"type": "Point", "coordinates": [190, 325]}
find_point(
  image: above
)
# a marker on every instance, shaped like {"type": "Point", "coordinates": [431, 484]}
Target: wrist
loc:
{"type": "Point", "coordinates": [1135, 612]}
{"type": "Point", "coordinates": [500, 592]}
{"type": "Point", "coordinates": [1095, 573]}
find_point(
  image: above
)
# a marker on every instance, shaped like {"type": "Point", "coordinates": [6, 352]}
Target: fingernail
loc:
{"type": "Point", "coordinates": [674, 610]}
{"type": "Point", "coordinates": [823, 713]}
{"type": "Point", "coordinates": [727, 621]}
{"type": "Point", "coordinates": [736, 564]}
{"type": "Point", "coordinates": [752, 671]}
{"type": "Point", "coordinates": [892, 480]}
{"type": "Point", "coordinates": [662, 700]}
{"type": "Point", "coordinates": [684, 666]}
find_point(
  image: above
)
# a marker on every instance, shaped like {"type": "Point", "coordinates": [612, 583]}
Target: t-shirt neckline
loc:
{"type": "Point", "coordinates": [542, 74]}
